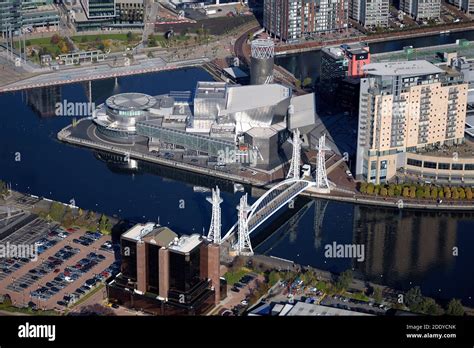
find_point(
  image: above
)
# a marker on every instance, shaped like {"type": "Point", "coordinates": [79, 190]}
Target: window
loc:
{"type": "Point", "coordinates": [457, 166]}
{"type": "Point", "coordinates": [469, 166]}
{"type": "Point", "coordinates": [443, 165]}
{"type": "Point", "coordinates": [413, 162]}
{"type": "Point", "coordinates": [429, 165]}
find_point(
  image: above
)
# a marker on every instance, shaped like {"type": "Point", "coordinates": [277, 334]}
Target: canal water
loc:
{"type": "Point", "coordinates": [307, 64]}
{"type": "Point", "coordinates": [402, 248]}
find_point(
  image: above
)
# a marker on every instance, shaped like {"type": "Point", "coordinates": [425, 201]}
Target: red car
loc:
{"type": "Point", "coordinates": [57, 270]}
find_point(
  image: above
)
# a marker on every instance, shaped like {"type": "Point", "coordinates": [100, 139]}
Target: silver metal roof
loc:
{"type": "Point", "coordinates": [407, 68]}
{"type": "Point", "coordinates": [130, 101]}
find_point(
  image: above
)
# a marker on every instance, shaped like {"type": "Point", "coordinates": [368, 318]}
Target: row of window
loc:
{"type": "Point", "coordinates": [443, 166]}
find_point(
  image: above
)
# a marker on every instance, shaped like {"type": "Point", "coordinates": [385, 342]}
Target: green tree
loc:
{"type": "Point", "coordinates": [298, 84]}
{"type": "Point", "coordinates": [469, 193]}
{"type": "Point", "coordinates": [363, 187]}
{"type": "Point", "coordinates": [462, 193]}
{"type": "Point", "coordinates": [427, 192]}
{"type": "Point", "coordinates": [307, 82]}
{"type": "Point", "coordinates": [129, 36]}
{"type": "Point", "coordinates": [378, 295]}
{"type": "Point", "coordinates": [344, 280]}
{"type": "Point", "coordinates": [391, 191]}
{"type": "Point", "coordinates": [370, 189]}
{"type": "Point", "coordinates": [383, 192]}
{"type": "Point", "coordinates": [103, 223]}
{"type": "Point", "coordinates": [455, 307]}
{"type": "Point", "coordinates": [56, 211]}
{"type": "Point", "coordinates": [434, 193]}
{"type": "Point", "coordinates": [420, 193]}
{"type": "Point", "coordinates": [406, 192]}
{"type": "Point", "coordinates": [430, 307]}
{"type": "Point", "coordinates": [414, 299]}
{"type": "Point", "coordinates": [454, 193]}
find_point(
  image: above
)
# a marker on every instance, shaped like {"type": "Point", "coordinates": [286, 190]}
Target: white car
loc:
{"type": "Point", "coordinates": [244, 302]}
{"type": "Point", "coordinates": [349, 174]}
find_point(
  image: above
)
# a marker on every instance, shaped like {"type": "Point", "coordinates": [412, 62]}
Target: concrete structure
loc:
{"type": "Point", "coordinates": [262, 61]}
{"type": "Point", "coordinates": [165, 274]}
{"type": "Point", "coordinates": [129, 12]}
{"type": "Point", "coordinates": [370, 13]}
{"type": "Point", "coordinates": [464, 5]}
{"type": "Point", "coordinates": [219, 120]}
{"type": "Point", "coordinates": [421, 9]}
{"type": "Point", "coordinates": [294, 19]}
{"type": "Point", "coordinates": [406, 107]}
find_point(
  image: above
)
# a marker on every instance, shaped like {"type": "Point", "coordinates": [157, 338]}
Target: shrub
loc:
{"type": "Point", "coordinates": [406, 192]}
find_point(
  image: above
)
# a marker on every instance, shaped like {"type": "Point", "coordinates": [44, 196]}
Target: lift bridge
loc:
{"type": "Point", "coordinates": [251, 217]}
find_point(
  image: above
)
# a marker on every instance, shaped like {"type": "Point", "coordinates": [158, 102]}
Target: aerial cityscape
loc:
{"type": "Point", "coordinates": [237, 158]}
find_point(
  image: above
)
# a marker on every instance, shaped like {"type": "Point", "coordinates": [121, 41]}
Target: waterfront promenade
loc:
{"type": "Point", "coordinates": [99, 72]}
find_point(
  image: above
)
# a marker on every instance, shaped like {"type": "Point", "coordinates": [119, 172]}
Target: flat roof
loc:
{"type": "Point", "coordinates": [186, 243]}
{"type": "Point", "coordinates": [304, 111]}
{"type": "Point", "coordinates": [308, 309]}
{"type": "Point", "coordinates": [255, 96]}
{"type": "Point", "coordinates": [235, 72]}
{"type": "Point", "coordinates": [408, 68]}
{"type": "Point", "coordinates": [130, 101]}
{"type": "Point", "coordinates": [139, 230]}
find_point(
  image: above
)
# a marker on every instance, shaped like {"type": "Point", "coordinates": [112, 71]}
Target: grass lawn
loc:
{"type": "Point", "coordinates": [357, 296]}
{"type": "Point", "coordinates": [234, 277]}
{"type": "Point", "coordinates": [27, 311]}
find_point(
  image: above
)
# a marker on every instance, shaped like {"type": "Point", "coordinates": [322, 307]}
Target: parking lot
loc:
{"type": "Point", "coordinates": [238, 295]}
{"type": "Point", "coordinates": [70, 264]}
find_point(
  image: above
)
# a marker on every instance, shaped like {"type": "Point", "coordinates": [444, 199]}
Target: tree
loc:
{"type": "Point", "coordinates": [434, 193]}
{"type": "Point", "coordinates": [307, 82]}
{"type": "Point", "coordinates": [378, 295]}
{"type": "Point", "coordinates": [414, 299]}
{"type": "Point", "coordinates": [430, 307]}
{"type": "Point", "coordinates": [55, 39]}
{"type": "Point", "coordinates": [391, 191]}
{"type": "Point", "coordinates": [363, 187]}
{"type": "Point", "coordinates": [103, 222]}
{"type": "Point", "coordinates": [420, 193]}
{"type": "Point", "coordinates": [427, 193]}
{"type": "Point", "coordinates": [454, 193]}
{"type": "Point", "coordinates": [462, 193]}
{"type": "Point", "coordinates": [344, 280]}
{"type": "Point", "coordinates": [383, 192]}
{"type": "Point", "coordinates": [406, 192]}
{"type": "Point", "coordinates": [455, 308]}
{"type": "Point", "coordinates": [298, 84]}
{"type": "Point", "coordinates": [469, 193]}
{"type": "Point", "coordinates": [129, 36]}
{"type": "Point", "coordinates": [56, 211]}
{"type": "Point", "coordinates": [370, 189]}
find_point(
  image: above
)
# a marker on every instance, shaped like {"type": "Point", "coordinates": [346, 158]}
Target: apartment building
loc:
{"type": "Point", "coordinates": [294, 19]}
{"type": "Point", "coordinates": [421, 9]}
{"type": "Point", "coordinates": [464, 5]}
{"type": "Point", "coordinates": [18, 14]}
{"type": "Point", "coordinates": [407, 107]}
{"type": "Point", "coordinates": [370, 13]}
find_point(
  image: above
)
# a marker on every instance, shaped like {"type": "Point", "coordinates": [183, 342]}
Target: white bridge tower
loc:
{"type": "Point", "coordinates": [214, 234]}
{"type": "Point", "coordinates": [243, 246]}
{"type": "Point", "coordinates": [321, 179]}
{"type": "Point", "coordinates": [294, 171]}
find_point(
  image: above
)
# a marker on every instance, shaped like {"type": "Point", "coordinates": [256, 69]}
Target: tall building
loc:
{"type": "Point", "coordinates": [17, 14]}
{"type": "Point", "coordinates": [370, 13]}
{"type": "Point", "coordinates": [421, 9]}
{"type": "Point", "coordinates": [407, 107]}
{"type": "Point", "coordinates": [295, 19]}
{"type": "Point", "coordinates": [341, 68]}
{"type": "Point", "coordinates": [166, 275]}
{"type": "Point", "coordinates": [464, 5]}
{"type": "Point", "coordinates": [99, 9]}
